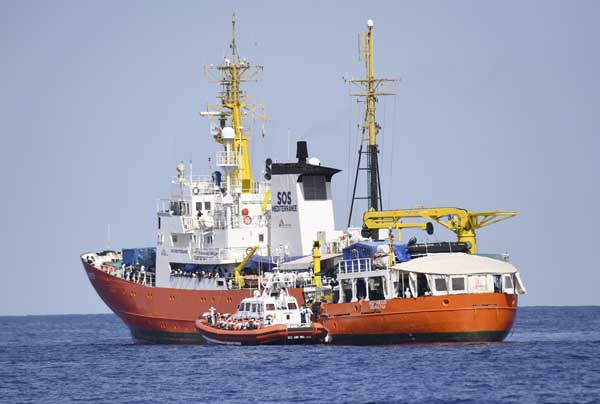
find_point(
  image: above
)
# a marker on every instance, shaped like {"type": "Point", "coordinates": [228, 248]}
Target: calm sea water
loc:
{"type": "Point", "coordinates": [552, 356]}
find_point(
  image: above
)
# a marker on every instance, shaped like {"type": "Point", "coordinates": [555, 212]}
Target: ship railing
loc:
{"type": "Point", "coordinates": [219, 254]}
{"type": "Point", "coordinates": [355, 265]}
{"type": "Point", "coordinates": [226, 159]}
{"type": "Point", "coordinates": [135, 275]}
{"type": "Point", "coordinates": [204, 184]}
{"type": "Point", "coordinates": [173, 207]}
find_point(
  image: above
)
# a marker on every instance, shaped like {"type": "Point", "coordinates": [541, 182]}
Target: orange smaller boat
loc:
{"type": "Point", "coordinates": [272, 317]}
{"type": "Point", "coordinates": [269, 335]}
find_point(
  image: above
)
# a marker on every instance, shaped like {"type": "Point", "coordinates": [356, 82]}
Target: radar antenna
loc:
{"type": "Point", "coordinates": [234, 106]}
{"type": "Point", "coordinates": [367, 91]}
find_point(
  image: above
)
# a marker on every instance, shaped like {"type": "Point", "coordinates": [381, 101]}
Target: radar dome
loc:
{"type": "Point", "coordinates": [227, 133]}
{"type": "Point", "coordinates": [313, 161]}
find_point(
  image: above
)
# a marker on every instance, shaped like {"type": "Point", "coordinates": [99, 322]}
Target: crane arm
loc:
{"type": "Point", "coordinates": [460, 221]}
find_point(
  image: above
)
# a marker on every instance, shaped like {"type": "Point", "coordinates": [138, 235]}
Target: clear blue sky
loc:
{"type": "Point", "coordinates": [497, 109]}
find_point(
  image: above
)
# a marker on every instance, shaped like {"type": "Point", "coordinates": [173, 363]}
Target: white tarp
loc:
{"type": "Point", "coordinates": [456, 264]}
{"type": "Point", "coordinates": [304, 262]}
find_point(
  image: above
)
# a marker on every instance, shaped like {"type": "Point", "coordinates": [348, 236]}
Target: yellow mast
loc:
{"type": "Point", "coordinates": [370, 113]}
{"type": "Point", "coordinates": [233, 105]}
{"type": "Point", "coordinates": [368, 91]}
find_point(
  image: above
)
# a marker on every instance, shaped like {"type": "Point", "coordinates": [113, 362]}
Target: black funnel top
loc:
{"type": "Point", "coordinates": [301, 151]}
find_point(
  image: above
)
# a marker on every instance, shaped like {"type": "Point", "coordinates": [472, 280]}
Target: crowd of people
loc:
{"type": "Point", "coordinates": [227, 322]}
{"type": "Point", "coordinates": [197, 274]}
{"type": "Point", "coordinates": [138, 274]}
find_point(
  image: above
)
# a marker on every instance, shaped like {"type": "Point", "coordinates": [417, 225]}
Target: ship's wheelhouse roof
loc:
{"type": "Point", "coordinates": [456, 264]}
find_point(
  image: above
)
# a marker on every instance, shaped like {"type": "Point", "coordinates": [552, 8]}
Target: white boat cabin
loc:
{"type": "Point", "coordinates": [432, 275]}
{"type": "Point", "coordinates": [273, 307]}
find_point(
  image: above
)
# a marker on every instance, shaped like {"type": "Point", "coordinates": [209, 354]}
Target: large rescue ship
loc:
{"type": "Point", "coordinates": [223, 236]}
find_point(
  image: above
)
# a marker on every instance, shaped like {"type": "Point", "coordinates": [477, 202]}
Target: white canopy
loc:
{"type": "Point", "coordinates": [304, 262]}
{"type": "Point", "coordinates": [456, 264]}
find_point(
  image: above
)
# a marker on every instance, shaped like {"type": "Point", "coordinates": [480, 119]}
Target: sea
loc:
{"type": "Point", "coordinates": [551, 356]}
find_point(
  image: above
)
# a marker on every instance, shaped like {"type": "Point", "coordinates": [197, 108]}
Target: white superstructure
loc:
{"type": "Point", "coordinates": [209, 222]}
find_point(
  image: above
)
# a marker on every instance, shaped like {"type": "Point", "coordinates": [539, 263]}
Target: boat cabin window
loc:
{"type": "Point", "coordinates": [179, 208]}
{"type": "Point", "coordinates": [254, 307]}
{"type": "Point", "coordinates": [314, 187]}
{"type": "Point", "coordinates": [292, 306]}
{"type": "Point", "coordinates": [458, 284]}
{"type": "Point", "coordinates": [270, 307]}
{"type": "Point", "coordinates": [441, 285]}
{"type": "Point", "coordinates": [261, 238]}
{"type": "Point", "coordinates": [247, 307]}
{"type": "Point", "coordinates": [508, 284]}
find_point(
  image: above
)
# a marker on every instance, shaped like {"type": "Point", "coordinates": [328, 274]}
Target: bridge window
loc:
{"type": "Point", "coordinates": [314, 187]}
{"type": "Point", "coordinates": [292, 306]}
{"type": "Point", "coordinates": [270, 307]}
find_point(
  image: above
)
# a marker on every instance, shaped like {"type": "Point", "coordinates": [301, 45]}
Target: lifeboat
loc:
{"type": "Point", "coordinates": [267, 318]}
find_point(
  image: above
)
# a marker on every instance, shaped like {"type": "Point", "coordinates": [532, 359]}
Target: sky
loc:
{"type": "Point", "coordinates": [497, 108]}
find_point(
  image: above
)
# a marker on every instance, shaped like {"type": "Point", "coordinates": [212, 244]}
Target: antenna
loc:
{"type": "Point", "coordinates": [233, 106]}
{"type": "Point", "coordinates": [367, 90]}
{"type": "Point", "coordinates": [108, 236]}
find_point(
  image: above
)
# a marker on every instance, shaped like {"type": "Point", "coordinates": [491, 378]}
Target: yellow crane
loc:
{"type": "Point", "coordinates": [462, 222]}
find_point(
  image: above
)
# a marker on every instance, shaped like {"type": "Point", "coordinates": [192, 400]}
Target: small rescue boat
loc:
{"type": "Point", "coordinates": [272, 317]}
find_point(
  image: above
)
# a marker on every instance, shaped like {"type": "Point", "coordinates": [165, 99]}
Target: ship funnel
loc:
{"type": "Point", "coordinates": [301, 151]}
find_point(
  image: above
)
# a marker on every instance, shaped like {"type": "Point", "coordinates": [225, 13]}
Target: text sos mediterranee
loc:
{"type": "Point", "coordinates": [284, 203]}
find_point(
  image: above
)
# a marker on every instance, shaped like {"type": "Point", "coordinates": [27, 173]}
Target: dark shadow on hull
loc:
{"type": "Point", "coordinates": [386, 339]}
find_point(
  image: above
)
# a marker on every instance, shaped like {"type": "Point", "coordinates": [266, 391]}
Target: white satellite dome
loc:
{"type": "Point", "coordinates": [313, 161]}
{"type": "Point", "coordinates": [227, 133]}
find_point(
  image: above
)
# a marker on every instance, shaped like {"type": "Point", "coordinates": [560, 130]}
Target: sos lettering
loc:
{"type": "Point", "coordinates": [284, 198]}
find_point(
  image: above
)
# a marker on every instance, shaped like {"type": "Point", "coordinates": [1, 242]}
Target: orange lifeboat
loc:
{"type": "Point", "coordinates": [272, 317]}
{"type": "Point", "coordinates": [269, 335]}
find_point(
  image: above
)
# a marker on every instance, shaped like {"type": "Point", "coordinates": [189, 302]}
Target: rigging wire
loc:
{"type": "Point", "coordinates": [383, 152]}
{"type": "Point", "coordinates": [395, 131]}
{"type": "Point", "coordinates": [349, 160]}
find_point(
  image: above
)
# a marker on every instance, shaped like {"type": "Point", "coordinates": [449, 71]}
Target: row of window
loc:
{"type": "Point", "coordinates": [257, 308]}
{"type": "Point", "coordinates": [458, 283]}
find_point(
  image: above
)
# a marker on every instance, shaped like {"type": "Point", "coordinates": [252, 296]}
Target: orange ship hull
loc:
{"type": "Point", "coordinates": [164, 315]}
{"type": "Point", "coordinates": [468, 317]}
